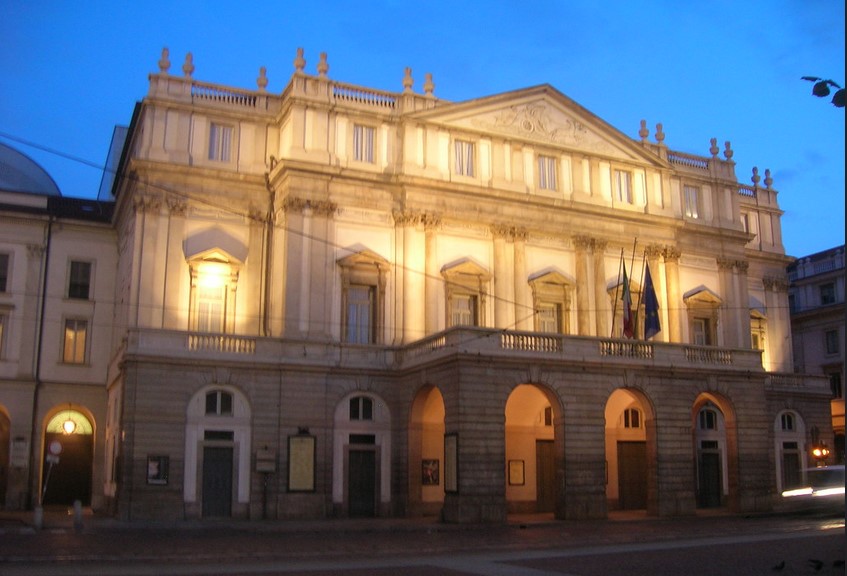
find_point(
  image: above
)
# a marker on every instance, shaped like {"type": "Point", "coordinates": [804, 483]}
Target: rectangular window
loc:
{"type": "Point", "coordinates": [831, 337]}
{"type": "Point", "coordinates": [692, 201]}
{"type": "Point", "coordinates": [360, 314]}
{"type": "Point", "coordinates": [4, 272]}
{"type": "Point", "coordinates": [76, 337]}
{"type": "Point", "coordinates": [702, 331]}
{"type": "Point", "coordinates": [827, 293]}
{"type": "Point", "coordinates": [363, 143]}
{"type": "Point", "coordinates": [463, 310]}
{"type": "Point", "coordinates": [220, 142]}
{"type": "Point", "coordinates": [210, 308]}
{"type": "Point", "coordinates": [623, 186]}
{"type": "Point", "coordinates": [547, 173]}
{"type": "Point", "coordinates": [745, 222]}
{"type": "Point", "coordinates": [550, 317]}
{"type": "Point", "coordinates": [464, 160]}
{"type": "Point", "coordinates": [79, 283]}
{"type": "Point", "coordinates": [835, 385]}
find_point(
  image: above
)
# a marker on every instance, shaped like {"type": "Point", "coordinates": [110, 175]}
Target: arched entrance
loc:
{"type": "Point", "coordinates": [67, 459]}
{"type": "Point", "coordinates": [534, 450]}
{"type": "Point", "coordinates": [630, 440]}
{"type": "Point", "coordinates": [361, 485]}
{"type": "Point", "coordinates": [426, 453]}
{"type": "Point", "coordinates": [714, 434]}
{"type": "Point", "coordinates": [217, 453]}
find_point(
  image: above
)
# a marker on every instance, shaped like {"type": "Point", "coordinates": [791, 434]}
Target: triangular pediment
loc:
{"type": "Point", "coordinates": [544, 116]}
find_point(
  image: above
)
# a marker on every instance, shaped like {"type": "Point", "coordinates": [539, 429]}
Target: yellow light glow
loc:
{"type": "Point", "coordinates": [69, 426]}
{"type": "Point", "coordinates": [798, 492]}
{"type": "Point", "coordinates": [212, 274]}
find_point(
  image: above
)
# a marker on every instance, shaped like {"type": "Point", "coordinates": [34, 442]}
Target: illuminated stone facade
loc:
{"type": "Point", "coordinates": [340, 301]}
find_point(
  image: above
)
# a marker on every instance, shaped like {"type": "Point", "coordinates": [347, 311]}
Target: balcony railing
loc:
{"type": "Point", "coordinates": [480, 342]}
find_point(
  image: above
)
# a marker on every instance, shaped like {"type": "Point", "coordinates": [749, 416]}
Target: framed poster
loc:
{"type": "Point", "coordinates": [157, 469]}
{"type": "Point", "coordinates": [301, 463]}
{"type": "Point", "coordinates": [451, 462]}
{"type": "Point", "coordinates": [516, 473]}
{"type": "Point", "coordinates": [430, 473]}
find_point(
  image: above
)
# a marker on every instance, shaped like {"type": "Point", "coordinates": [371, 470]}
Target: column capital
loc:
{"type": "Point", "coordinates": [177, 207]}
{"type": "Point", "coordinates": [407, 218]}
{"type": "Point", "coordinates": [671, 254]}
{"type": "Point", "coordinates": [583, 242]}
{"type": "Point", "coordinates": [653, 250]}
{"type": "Point", "coordinates": [742, 265]}
{"type": "Point", "coordinates": [725, 263]}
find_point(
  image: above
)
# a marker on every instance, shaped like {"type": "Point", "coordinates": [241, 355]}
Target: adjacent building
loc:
{"type": "Point", "coordinates": [816, 300]}
{"type": "Point", "coordinates": [343, 301]}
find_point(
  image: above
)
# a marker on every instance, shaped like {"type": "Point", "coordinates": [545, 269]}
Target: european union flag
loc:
{"type": "Point", "coordinates": [651, 307]}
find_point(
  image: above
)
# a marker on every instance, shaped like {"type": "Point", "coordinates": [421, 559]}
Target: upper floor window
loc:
{"type": "Point", "coordinates": [787, 421]}
{"type": "Point", "coordinates": [831, 338]}
{"type": "Point", "coordinates": [361, 312]}
{"type": "Point", "coordinates": [547, 173]}
{"type": "Point", "coordinates": [550, 317]}
{"type": "Point", "coordinates": [363, 143]}
{"type": "Point", "coordinates": [218, 403]}
{"type": "Point", "coordinates": [210, 308]}
{"type": "Point", "coordinates": [632, 418]}
{"type": "Point", "coordinates": [707, 419]}
{"type": "Point", "coordinates": [827, 292]}
{"type": "Point", "coordinates": [463, 162]}
{"type": "Point", "coordinates": [691, 201]}
{"type": "Point", "coordinates": [702, 331]}
{"type": "Point", "coordinates": [623, 186]}
{"type": "Point", "coordinates": [4, 272]}
{"type": "Point", "coordinates": [834, 384]}
{"type": "Point", "coordinates": [214, 278]}
{"type": "Point", "coordinates": [364, 276]}
{"type": "Point", "coordinates": [361, 408]}
{"type": "Point", "coordinates": [75, 341]}
{"type": "Point", "coordinates": [464, 310]}
{"type": "Point", "coordinates": [79, 283]}
{"type": "Point", "coordinates": [220, 142]}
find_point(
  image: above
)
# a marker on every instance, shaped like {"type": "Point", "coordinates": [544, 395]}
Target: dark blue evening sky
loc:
{"type": "Point", "coordinates": [71, 71]}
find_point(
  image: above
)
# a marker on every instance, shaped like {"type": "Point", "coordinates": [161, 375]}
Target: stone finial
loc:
{"type": "Point", "coordinates": [262, 80]}
{"type": "Point", "coordinates": [643, 132]}
{"type": "Point", "coordinates": [727, 153]}
{"type": "Point", "coordinates": [755, 178]}
{"type": "Point", "coordinates": [713, 149]}
{"type": "Point", "coordinates": [768, 179]}
{"type": "Point", "coordinates": [188, 66]}
{"type": "Point", "coordinates": [299, 62]}
{"type": "Point", "coordinates": [323, 67]}
{"type": "Point", "coordinates": [408, 81]}
{"type": "Point", "coordinates": [429, 87]}
{"type": "Point", "coordinates": [164, 61]}
{"type": "Point", "coordinates": [660, 135]}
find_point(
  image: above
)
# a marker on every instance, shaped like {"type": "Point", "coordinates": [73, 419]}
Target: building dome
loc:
{"type": "Point", "coordinates": [19, 173]}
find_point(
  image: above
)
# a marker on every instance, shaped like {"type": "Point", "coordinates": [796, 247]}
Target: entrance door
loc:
{"type": "Point", "coordinates": [217, 481]}
{"type": "Point", "coordinates": [361, 483]}
{"type": "Point", "coordinates": [545, 474]}
{"type": "Point", "coordinates": [709, 492]}
{"type": "Point", "coordinates": [632, 475]}
{"type": "Point", "coordinates": [70, 478]}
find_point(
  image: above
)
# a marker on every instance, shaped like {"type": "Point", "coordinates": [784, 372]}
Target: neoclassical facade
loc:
{"type": "Point", "coordinates": [342, 301]}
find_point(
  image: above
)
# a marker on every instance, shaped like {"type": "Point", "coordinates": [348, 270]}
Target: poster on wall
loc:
{"type": "Point", "coordinates": [516, 473]}
{"type": "Point", "coordinates": [430, 473]}
{"type": "Point", "coordinates": [301, 463]}
{"type": "Point", "coordinates": [157, 469]}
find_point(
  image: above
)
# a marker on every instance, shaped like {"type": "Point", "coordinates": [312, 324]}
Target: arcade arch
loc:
{"type": "Point", "coordinates": [630, 442]}
{"type": "Point", "coordinates": [426, 452]}
{"type": "Point", "coordinates": [67, 457]}
{"type": "Point", "coordinates": [534, 450]}
{"type": "Point", "coordinates": [714, 446]}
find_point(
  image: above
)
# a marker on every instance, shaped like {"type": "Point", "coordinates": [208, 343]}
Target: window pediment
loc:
{"type": "Point", "coordinates": [363, 257]}
{"type": "Point", "coordinates": [214, 245]}
{"type": "Point", "coordinates": [702, 296]}
{"type": "Point", "coordinates": [465, 269]}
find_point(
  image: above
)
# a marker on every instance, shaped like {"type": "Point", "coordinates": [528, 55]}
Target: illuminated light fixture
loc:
{"type": "Point", "coordinates": [213, 274]}
{"type": "Point", "coordinates": [820, 452]}
{"type": "Point", "coordinates": [69, 426]}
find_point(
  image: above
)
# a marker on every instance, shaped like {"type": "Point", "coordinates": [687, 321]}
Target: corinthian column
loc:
{"type": "Point", "coordinates": [523, 297]}
{"type": "Point", "coordinates": [583, 286]}
{"type": "Point", "coordinates": [674, 297]}
{"type": "Point", "coordinates": [601, 297]}
{"type": "Point", "coordinates": [432, 290]}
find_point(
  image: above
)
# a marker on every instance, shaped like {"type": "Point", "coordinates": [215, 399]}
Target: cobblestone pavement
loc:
{"type": "Point", "coordinates": [533, 545]}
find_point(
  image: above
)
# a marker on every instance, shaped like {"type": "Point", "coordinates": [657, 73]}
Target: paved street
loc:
{"type": "Point", "coordinates": [532, 546]}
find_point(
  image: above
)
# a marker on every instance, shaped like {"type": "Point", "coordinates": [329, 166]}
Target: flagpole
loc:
{"type": "Point", "coordinates": [615, 303]}
{"type": "Point", "coordinates": [640, 291]}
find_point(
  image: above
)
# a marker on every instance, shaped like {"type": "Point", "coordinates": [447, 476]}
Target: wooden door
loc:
{"type": "Point", "coordinates": [361, 483]}
{"type": "Point", "coordinates": [545, 475]}
{"type": "Point", "coordinates": [217, 481]}
{"type": "Point", "coordinates": [632, 475]}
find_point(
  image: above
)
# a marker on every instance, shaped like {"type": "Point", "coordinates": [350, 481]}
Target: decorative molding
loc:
{"type": "Point", "coordinates": [177, 207]}
{"type": "Point", "coordinates": [671, 254]}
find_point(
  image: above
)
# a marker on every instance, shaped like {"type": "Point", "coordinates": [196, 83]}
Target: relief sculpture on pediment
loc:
{"type": "Point", "coordinates": [536, 121]}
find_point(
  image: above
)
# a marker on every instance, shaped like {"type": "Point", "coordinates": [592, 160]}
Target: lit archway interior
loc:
{"type": "Point", "coordinates": [627, 415]}
{"type": "Point", "coordinates": [426, 452]}
{"type": "Point", "coordinates": [530, 451]}
{"type": "Point", "coordinates": [68, 458]}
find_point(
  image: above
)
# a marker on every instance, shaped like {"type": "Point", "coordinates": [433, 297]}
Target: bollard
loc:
{"type": "Point", "coordinates": [77, 515]}
{"type": "Point", "coordinates": [38, 518]}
